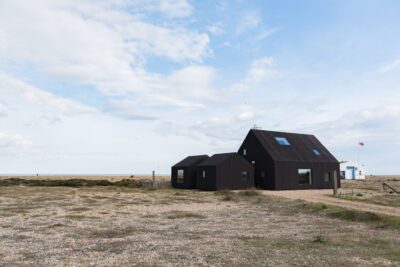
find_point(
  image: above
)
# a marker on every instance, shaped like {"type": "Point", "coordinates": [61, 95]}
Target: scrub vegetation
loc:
{"type": "Point", "coordinates": [371, 190]}
{"type": "Point", "coordinates": [114, 226]}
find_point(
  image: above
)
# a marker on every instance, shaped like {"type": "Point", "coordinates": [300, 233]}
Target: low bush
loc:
{"type": "Point", "coordinates": [70, 183]}
{"type": "Point", "coordinates": [321, 239]}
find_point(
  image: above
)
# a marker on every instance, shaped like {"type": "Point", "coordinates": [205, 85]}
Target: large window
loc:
{"type": "Point", "coordinates": [304, 176]}
{"type": "Point", "coordinates": [179, 177]}
{"type": "Point", "coordinates": [282, 141]}
{"type": "Point", "coordinates": [244, 175]}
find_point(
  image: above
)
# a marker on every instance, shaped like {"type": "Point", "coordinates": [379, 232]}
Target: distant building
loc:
{"type": "Point", "coordinates": [183, 174]}
{"type": "Point", "coordinates": [285, 161]}
{"type": "Point", "coordinates": [225, 171]}
{"type": "Point", "coordinates": [351, 170]}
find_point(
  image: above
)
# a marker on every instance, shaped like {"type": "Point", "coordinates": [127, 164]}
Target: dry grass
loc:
{"type": "Point", "coordinates": [110, 178]}
{"type": "Point", "coordinates": [370, 190]}
{"type": "Point", "coordinates": [116, 226]}
{"type": "Point", "coordinates": [373, 183]}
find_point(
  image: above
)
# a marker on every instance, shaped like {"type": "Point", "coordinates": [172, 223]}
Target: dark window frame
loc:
{"type": "Point", "coordinates": [180, 176]}
{"type": "Point", "coordinates": [244, 176]}
{"type": "Point", "coordinates": [301, 174]}
{"type": "Point", "coordinates": [327, 175]}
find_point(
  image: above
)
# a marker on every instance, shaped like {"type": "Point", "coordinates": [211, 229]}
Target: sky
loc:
{"type": "Point", "coordinates": [127, 87]}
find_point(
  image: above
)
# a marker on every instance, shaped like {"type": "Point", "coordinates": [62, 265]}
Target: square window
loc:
{"type": "Point", "coordinates": [203, 174]}
{"type": "Point", "coordinates": [304, 176]}
{"type": "Point", "coordinates": [244, 175]}
{"type": "Point", "coordinates": [179, 177]}
{"type": "Point", "coordinates": [282, 141]}
{"type": "Point", "coordinates": [262, 174]}
{"type": "Point", "coordinates": [316, 152]}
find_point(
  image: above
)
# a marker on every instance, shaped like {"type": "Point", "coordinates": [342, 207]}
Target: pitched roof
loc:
{"type": "Point", "coordinates": [217, 159]}
{"type": "Point", "coordinates": [301, 147]}
{"type": "Point", "coordinates": [191, 160]}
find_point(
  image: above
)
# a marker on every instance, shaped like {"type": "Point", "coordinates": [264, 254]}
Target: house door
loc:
{"type": "Point", "coordinates": [259, 178]}
{"type": "Point", "coordinates": [352, 171]}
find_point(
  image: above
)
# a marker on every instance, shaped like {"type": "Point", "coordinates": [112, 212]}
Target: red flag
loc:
{"type": "Point", "coordinates": [361, 143]}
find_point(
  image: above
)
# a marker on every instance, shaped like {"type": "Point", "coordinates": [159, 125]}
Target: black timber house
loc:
{"type": "Point", "coordinates": [225, 171]}
{"type": "Point", "coordinates": [284, 161]}
{"type": "Point", "coordinates": [183, 174]}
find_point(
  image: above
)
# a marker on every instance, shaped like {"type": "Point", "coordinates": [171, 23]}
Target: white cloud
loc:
{"type": "Point", "coordinates": [15, 88]}
{"type": "Point", "coordinates": [193, 81]}
{"type": "Point", "coordinates": [13, 140]}
{"type": "Point", "coordinates": [265, 33]}
{"type": "Point", "coordinates": [128, 109]}
{"type": "Point", "coordinates": [224, 126]}
{"type": "Point", "coordinates": [215, 29]}
{"type": "Point", "coordinates": [259, 71]}
{"type": "Point", "coordinates": [248, 22]}
{"type": "Point", "coordinates": [171, 8]}
{"type": "Point", "coordinates": [101, 44]}
{"type": "Point", "coordinates": [390, 67]}
{"type": "Point", "coordinates": [177, 44]}
{"type": "Point", "coordinates": [3, 109]}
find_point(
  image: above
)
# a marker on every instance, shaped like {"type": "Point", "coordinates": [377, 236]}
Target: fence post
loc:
{"type": "Point", "coordinates": [154, 179]}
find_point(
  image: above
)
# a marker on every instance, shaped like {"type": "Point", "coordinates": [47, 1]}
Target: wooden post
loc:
{"type": "Point", "coordinates": [334, 183]}
{"type": "Point", "coordinates": [154, 179]}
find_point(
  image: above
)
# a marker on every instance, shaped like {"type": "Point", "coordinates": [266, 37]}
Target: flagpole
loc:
{"type": "Point", "coordinates": [359, 145]}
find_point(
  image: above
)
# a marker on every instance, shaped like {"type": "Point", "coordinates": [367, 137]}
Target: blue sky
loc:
{"type": "Point", "coordinates": [132, 86]}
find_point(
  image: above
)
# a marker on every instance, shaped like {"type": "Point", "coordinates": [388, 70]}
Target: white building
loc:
{"type": "Point", "coordinates": [351, 170]}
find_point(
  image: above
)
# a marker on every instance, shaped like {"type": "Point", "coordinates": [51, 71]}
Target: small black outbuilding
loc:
{"type": "Point", "coordinates": [225, 171]}
{"type": "Point", "coordinates": [183, 174]}
{"type": "Point", "coordinates": [285, 161]}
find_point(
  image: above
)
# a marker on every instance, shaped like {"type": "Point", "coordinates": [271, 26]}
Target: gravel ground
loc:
{"type": "Point", "coordinates": [110, 226]}
{"type": "Point", "coordinates": [325, 196]}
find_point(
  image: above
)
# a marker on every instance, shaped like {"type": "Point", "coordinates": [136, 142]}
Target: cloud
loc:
{"type": "Point", "coordinates": [177, 44]}
{"type": "Point", "coordinates": [3, 109]}
{"type": "Point", "coordinates": [223, 127]}
{"type": "Point", "coordinates": [215, 29]}
{"type": "Point", "coordinates": [390, 67]}
{"type": "Point", "coordinates": [128, 109]}
{"type": "Point", "coordinates": [194, 82]}
{"type": "Point", "coordinates": [100, 44]}
{"type": "Point", "coordinates": [13, 140]}
{"type": "Point", "coordinates": [259, 71]}
{"type": "Point", "coordinates": [377, 124]}
{"type": "Point", "coordinates": [171, 8]}
{"type": "Point", "coordinates": [265, 33]}
{"type": "Point", "coordinates": [247, 22]}
{"type": "Point", "coordinates": [15, 88]}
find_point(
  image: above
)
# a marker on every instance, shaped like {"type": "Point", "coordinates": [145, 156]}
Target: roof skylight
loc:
{"type": "Point", "coordinates": [316, 152]}
{"type": "Point", "coordinates": [282, 141]}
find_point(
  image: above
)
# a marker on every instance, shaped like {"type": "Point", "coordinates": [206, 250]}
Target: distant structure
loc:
{"type": "Point", "coordinates": [183, 174]}
{"type": "Point", "coordinates": [351, 170]}
{"type": "Point", "coordinates": [284, 161]}
{"type": "Point", "coordinates": [225, 171]}
{"type": "Point", "coordinates": [267, 160]}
